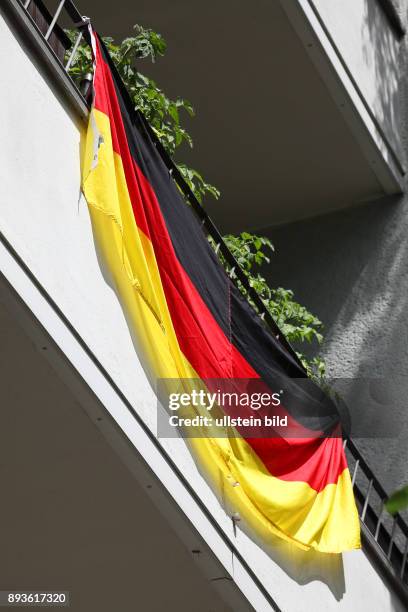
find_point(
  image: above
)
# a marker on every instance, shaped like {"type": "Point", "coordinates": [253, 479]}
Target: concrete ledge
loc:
{"type": "Point", "coordinates": [30, 38]}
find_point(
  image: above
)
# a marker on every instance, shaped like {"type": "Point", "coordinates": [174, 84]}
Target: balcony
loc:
{"type": "Point", "coordinates": [54, 290]}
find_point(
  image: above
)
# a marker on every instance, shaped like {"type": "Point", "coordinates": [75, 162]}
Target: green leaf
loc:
{"type": "Point", "coordinates": [398, 501]}
{"type": "Point", "coordinates": [173, 112]}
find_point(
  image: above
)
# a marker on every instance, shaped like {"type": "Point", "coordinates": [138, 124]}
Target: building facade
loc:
{"type": "Point", "coordinates": [98, 506]}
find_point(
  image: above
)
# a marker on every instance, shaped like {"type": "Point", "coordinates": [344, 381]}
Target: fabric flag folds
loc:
{"type": "Point", "coordinates": [189, 321]}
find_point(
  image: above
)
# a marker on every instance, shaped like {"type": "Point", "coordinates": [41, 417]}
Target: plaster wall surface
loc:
{"type": "Point", "coordinates": [44, 217]}
{"type": "Point", "coordinates": [349, 268]}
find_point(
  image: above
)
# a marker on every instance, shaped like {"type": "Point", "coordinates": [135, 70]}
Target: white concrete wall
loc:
{"type": "Point", "coordinates": [371, 51]}
{"type": "Point", "coordinates": [44, 218]}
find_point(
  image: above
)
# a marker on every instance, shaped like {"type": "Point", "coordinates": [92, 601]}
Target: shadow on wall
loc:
{"type": "Point", "coordinates": [381, 54]}
{"type": "Point", "coordinates": [302, 566]}
{"type": "Point", "coordinates": [350, 268]}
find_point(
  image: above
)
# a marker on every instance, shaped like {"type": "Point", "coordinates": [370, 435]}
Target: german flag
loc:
{"type": "Point", "coordinates": [189, 321]}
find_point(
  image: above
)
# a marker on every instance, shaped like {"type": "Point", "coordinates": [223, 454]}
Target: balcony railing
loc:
{"type": "Point", "coordinates": [52, 32]}
{"type": "Point", "coordinates": [385, 537]}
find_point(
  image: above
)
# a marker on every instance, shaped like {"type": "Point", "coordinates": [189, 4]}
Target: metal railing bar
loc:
{"type": "Point", "coordinates": [377, 485]}
{"type": "Point", "coordinates": [402, 524]}
{"type": "Point", "coordinates": [394, 525]}
{"type": "Point", "coordinates": [54, 19]}
{"type": "Point", "coordinates": [27, 4]}
{"type": "Point", "coordinates": [73, 52]}
{"type": "Point", "coordinates": [380, 517]}
{"type": "Point", "coordinates": [73, 12]}
{"type": "Point", "coordinates": [404, 560]}
{"type": "Point", "coordinates": [353, 480]}
{"type": "Point", "coordinates": [366, 468]}
{"type": "Point", "coordinates": [363, 513]}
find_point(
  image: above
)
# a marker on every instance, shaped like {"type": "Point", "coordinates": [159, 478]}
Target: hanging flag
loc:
{"type": "Point", "coordinates": [190, 322]}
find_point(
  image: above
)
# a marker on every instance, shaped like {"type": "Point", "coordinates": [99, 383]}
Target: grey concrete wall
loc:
{"type": "Point", "coordinates": [351, 269]}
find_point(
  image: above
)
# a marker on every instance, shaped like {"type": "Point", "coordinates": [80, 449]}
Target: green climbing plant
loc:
{"type": "Point", "coordinates": [165, 115]}
{"type": "Point", "coordinates": [297, 323]}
